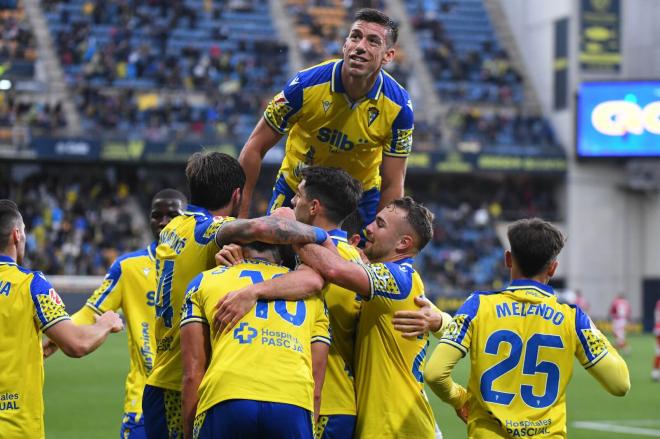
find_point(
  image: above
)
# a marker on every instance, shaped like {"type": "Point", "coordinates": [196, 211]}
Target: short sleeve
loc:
{"type": "Point", "coordinates": [459, 332]}
{"type": "Point", "coordinates": [400, 142]}
{"type": "Point", "coordinates": [49, 308]}
{"type": "Point", "coordinates": [192, 307]}
{"type": "Point", "coordinates": [283, 110]}
{"type": "Point", "coordinates": [108, 296]}
{"type": "Point", "coordinates": [592, 344]}
{"type": "Point", "coordinates": [388, 280]}
{"type": "Point", "coordinates": [206, 228]}
{"type": "Point", "coordinates": [321, 329]}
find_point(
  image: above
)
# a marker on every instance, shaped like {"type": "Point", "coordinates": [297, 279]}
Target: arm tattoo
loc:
{"type": "Point", "coordinates": [269, 229]}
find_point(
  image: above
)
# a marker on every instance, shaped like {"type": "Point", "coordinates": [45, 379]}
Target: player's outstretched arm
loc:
{"type": "Point", "coordinates": [612, 372]}
{"type": "Point", "coordinates": [262, 139]}
{"type": "Point", "coordinates": [319, 363]}
{"type": "Point", "coordinates": [393, 174]}
{"type": "Point", "coordinates": [78, 341]}
{"type": "Point", "coordinates": [196, 353]}
{"type": "Point", "coordinates": [427, 319]}
{"type": "Point", "coordinates": [437, 375]}
{"type": "Point", "coordinates": [268, 229]}
{"type": "Point", "coordinates": [295, 285]}
{"type": "Point", "coordinates": [334, 268]}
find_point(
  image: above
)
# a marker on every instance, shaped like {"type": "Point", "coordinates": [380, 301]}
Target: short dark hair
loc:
{"type": "Point", "coordinates": [274, 249]}
{"type": "Point", "coordinates": [338, 192]}
{"type": "Point", "coordinates": [535, 243]}
{"type": "Point", "coordinates": [212, 178]}
{"type": "Point", "coordinates": [9, 218]}
{"type": "Point", "coordinates": [170, 194]}
{"type": "Point", "coordinates": [419, 217]}
{"type": "Point", "coordinates": [352, 224]}
{"type": "Point", "coordinates": [375, 16]}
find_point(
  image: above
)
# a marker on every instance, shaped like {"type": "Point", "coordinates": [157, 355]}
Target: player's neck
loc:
{"type": "Point", "coordinates": [357, 87]}
{"type": "Point", "coordinates": [223, 211]}
{"type": "Point", "coordinates": [10, 252]}
{"type": "Point", "coordinates": [540, 278]}
{"type": "Point", "coordinates": [323, 223]}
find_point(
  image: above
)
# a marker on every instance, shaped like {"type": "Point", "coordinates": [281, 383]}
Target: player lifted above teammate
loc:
{"type": "Point", "coordinates": [30, 305]}
{"type": "Point", "coordinates": [346, 113]}
{"type": "Point", "coordinates": [521, 342]}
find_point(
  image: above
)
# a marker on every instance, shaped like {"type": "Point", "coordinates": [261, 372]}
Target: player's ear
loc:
{"type": "Point", "coordinates": [552, 267]}
{"type": "Point", "coordinates": [354, 240]}
{"type": "Point", "coordinates": [314, 207]}
{"type": "Point", "coordinates": [236, 197]}
{"type": "Point", "coordinates": [389, 55]}
{"type": "Point", "coordinates": [508, 259]}
{"type": "Point", "coordinates": [406, 243]}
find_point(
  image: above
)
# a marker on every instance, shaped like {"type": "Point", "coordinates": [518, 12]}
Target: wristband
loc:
{"type": "Point", "coordinates": [320, 235]}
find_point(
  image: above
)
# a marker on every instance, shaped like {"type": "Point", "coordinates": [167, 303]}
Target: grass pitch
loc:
{"type": "Point", "coordinates": [84, 397]}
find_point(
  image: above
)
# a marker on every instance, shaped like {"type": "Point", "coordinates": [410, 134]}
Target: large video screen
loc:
{"type": "Point", "coordinates": [618, 119]}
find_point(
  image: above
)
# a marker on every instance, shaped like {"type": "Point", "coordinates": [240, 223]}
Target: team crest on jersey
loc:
{"type": "Point", "coordinates": [326, 105]}
{"type": "Point", "coordinates": [373, 114]}
{"type": "Point", "coordinates": [54, 296]}
{"type": "Point", "coordinates": [280, 99]}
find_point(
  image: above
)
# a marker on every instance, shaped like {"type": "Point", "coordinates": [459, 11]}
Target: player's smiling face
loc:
{"type": "Point", "coordinates": [383, 235]}
{"type": "Point", "coordinates": [366, 49]}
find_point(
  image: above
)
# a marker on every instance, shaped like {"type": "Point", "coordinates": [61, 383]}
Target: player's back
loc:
{"type": "Point", "coordinates": [389, 380]}
{"type": "Point", "coordinates": [267, 356]}
{"type": "Point", "coordinates": [522, 342]}
{"type": "Point", "coordinates": [28, 305]}
{"type": "Point", "coordinates": [186, 248]}
{"type": "Point", "coordinates": [343, 310]}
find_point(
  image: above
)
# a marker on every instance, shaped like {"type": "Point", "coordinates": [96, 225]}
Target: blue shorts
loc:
{"type": "Point", "coordinates": [161, 413]}
{"type": "Point", "coordinates": [335, 427]}
{"type": "Point", "coordinates": [132, 427]}
{"type": "Point", "coordinates": [282, 195]}
{"type": "Point", "coordinates": [247, 419]}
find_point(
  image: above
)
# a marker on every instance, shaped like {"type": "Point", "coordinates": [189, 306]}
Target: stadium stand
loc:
{"type": "Point", "coordinates": [120, 58]}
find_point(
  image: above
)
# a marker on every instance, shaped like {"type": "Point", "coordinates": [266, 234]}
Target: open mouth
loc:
{"type": "Point", "coordinates": [358, 59]}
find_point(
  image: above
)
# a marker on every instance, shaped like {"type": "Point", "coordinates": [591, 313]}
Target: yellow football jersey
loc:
{"type": "Point", "coordinates": [338, 397]}
{"type": "Point", "coordinates": [391, 401]}
{"type": "Point", "coordinates": [28, 306]}
{"type": "Point", "coordinates": [267, 356]}
{"type": "Point", "coordinates": [130, 284]}
{"type": "Point", "coordinates": [327, 129]}
{"type": "Point", "coordinates": [521, 342]}
{"type": "Point", "coordinates": [186, 248]}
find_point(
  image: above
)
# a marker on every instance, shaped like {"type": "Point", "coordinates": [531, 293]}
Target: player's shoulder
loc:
{"type": "Point", "coordinates": [132, 255]}
{"type": "Point", "coordinates": [395, 91]}
{"type": "Point", "coordinates": [318, 74]}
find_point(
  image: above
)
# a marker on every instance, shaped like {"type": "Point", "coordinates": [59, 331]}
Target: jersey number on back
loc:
{"type": "Point", "coordinates": [261, 310]}
{"type": "Point", "coordinates": [530, 367]}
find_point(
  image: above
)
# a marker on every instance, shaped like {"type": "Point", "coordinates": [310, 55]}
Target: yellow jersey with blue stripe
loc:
{"type": "Point", "coordinates": [521, 342]}
{"type": "Point", "coordinates": [29, 305]}
{"type": "Point", "coordinates": [267, 356]}
{"type": "Point", "coordinates": [130, 284]}
{"type": "Point", "coordinates": [391, 402]}
{"type": "Point", "coordinates": [338, 397]}
{"type": "Point", "coordinates": [186, 247]}
{"type": "Point", "coordinates": [326, 128]}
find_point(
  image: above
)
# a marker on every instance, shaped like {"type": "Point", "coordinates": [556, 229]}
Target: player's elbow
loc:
{"type": "Point", "coordinates": [75, 349]}
{"type": "Point", "coordinates": [433, 375]}
{"type": "Point", "coordinates": [620, 389]}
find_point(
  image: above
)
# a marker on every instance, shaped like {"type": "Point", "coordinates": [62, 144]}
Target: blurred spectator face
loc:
{"type": "Point", "coordinates": [162, 212]}
{"type": "Point", "coordinates": [365, 49]}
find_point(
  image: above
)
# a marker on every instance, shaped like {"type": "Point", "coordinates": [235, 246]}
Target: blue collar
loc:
{"type": "Point", "coordinates": [338, 87]}
{"type": "Point", "coordinates": [196, 210]}
{"type": "Point", "coordinates": [338, 234]}
{"type": "Point", "coordinates": [519, 284]}
{"type": "Point", "coordinates": [151, 250]}
{"type": "Point", "coordinates": [6, 259]}
{"type": "Point", "coordinates": [404, 261]}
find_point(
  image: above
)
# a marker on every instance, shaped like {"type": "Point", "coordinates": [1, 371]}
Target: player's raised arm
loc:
{"type": "Point", "coordinates": [336, 269]}
{"type": "Point", "coordinates": [78, 341]}
{"type": "Point", "coordinates": [393, 173]}
{"type": "Point", "coordinates": [262, 139]}
{"type": "Point", "coordinates": [270, 230]}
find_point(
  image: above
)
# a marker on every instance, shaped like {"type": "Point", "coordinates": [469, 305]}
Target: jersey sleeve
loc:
{"type": "Point", "coordinates": [459, 332]}
{"type": "Point", "coordinates": [284, 109]}
{"type": "Point", "coordinates": [193, 310]}
{"type": "Point", "coordinates": [592, 344]}
{"type": "Point", "coordinates": [400, 139]}
{"type": "Point", "coordinates": [49, 308]}
{"type": "Point", "coordinates": [388, 281]}
{"type": "Point", "coordinates": [205, 232]}
{"type": "Point", "coordinates": [321, 329]}
{"type": "Point", "coordinates": [108, 296]}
